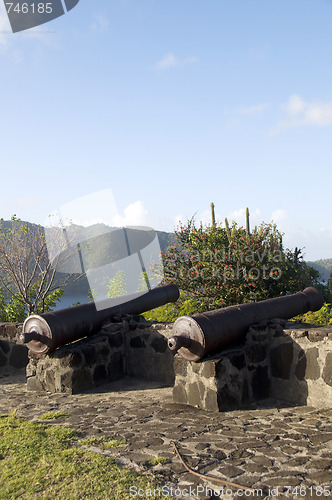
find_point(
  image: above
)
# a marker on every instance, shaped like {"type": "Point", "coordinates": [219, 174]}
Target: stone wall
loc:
{"type": "Point", "coordinates": [13, 356]}
{"type": "Point", "coordinates": [283, 360]}
{"type": "Point", "coordinates": [301, 365]}
{"type": "Point", "coordinates": [134, 348]}
{"type": "Point", "coordinates": [147, 353]}
{"type": "Point", "coordinates": [290, 362]}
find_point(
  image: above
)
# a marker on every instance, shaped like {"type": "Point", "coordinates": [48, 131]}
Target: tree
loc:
{"type": "Point", "coordinates": [117, 285]}
{"type": "Point", "coordinates": [217, 267]}
{"type": "Point", "coordinates": [26, 274]}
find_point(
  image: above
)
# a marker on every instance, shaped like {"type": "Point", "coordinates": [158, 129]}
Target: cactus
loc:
{"type": "Point", "coordinates": [247, 222]}
{"type": "Point", "coordinates": [228, 230]}
{"type": "Point", "coordinates": [213, 215]}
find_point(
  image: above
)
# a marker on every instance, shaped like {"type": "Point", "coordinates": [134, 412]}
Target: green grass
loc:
{"type": "Point", "coordinates": [42, 461]}
{"type": "Point", "coordinates": [158, 460]}
{"type": "Point", "coordinates": [102, 442]}
{"type": "Point", "coordinates": [54, 415]}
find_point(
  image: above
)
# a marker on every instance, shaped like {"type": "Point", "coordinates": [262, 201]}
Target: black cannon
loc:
{"type": "Point", "coordinates": [45, 332]}
{"type": "Point", "coordinates": [200, 335]}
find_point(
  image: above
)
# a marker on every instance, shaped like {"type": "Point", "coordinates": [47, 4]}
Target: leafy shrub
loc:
{"type": "Point", "coordinates": [321, 317]}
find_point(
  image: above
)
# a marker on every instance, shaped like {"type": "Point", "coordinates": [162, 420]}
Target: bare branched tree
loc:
{"type": "Point", "coordinates": [26, 272]}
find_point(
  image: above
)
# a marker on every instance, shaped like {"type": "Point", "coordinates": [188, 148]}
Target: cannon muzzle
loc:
{"type": "Point", "coordinates": [200, 335]}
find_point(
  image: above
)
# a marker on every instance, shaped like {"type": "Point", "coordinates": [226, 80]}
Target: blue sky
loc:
{"type": "Point", "coordinates": [173, 105]}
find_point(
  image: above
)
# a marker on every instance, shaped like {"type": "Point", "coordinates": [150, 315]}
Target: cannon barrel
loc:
{"type": "Point", "coordinates": [45, 332]}
{"type": "Point", "coordinates": [200, 335]}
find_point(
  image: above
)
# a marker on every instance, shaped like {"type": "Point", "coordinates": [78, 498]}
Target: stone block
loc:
{"type": "Point", "coordinates": [66, 382]}
{"type": "Point", "coordinates": [194, 396]}
{"type": "Point", "coordinates": [19, 356]}
{"type": "Point", "coordinates": [237, 359]}
{"type": "Point", "coordinates": [3, 360]}
{"type": "Point", "coordinates": [72, 359]}
{"type": "Point", "coordinates": [260, 383]}
{"type": "Point", "coordinates": [213, 384]}
{"type": "Point", "coordinates": [89, 353]}
{"type": "Point", "coordinates": [245, 397]}
{"type": "Point", "coordinates": [115, 339]}
{"type": "Point", "coordinates": [327, 371]}
{"type": "Point", "coordinates": [81, 380]}
{"type": "Point", "coordinates": [211, 400]}
{"type": "Point", "coordinates": [34, 384]}
{"type": "Point", "coordinates": [317, 335]}
{"type": "Point", "coordinates": [159, 344]}
{"type": "Point", "coordinates": [301, 365]}
{"type": "Point", "coordinates": [256, 353]}
{"type": "Point", "coordinates": [208, 369]}
{"type": "Point", "coordinates": [228, 399]}
{"type": "Point", "coordinates": [102, 352]}
{"type": "Point", "coordinates": [221, 368]}
{"type": "Point", "coordinates": [137, 343]}
{"type": "Point", "coordinates": [180, 366]}
{"type": "Point", "coordinates": [49, 380]}
{"type": "Point", "coordinates": [4, 346]}
{"type": "Point", "coordinates": [179, 394]}
{"type": "Point", "coordinates": [115, 368]}
{"type": "Point", "coordinates": [30, 370]}
{"type": "Point", "coordinates": [11, 330]}
{"type": "Point", "coordinates": [281, 360]}
{"type": "Point", "coordinates": [312, 371]}
{"type": "Point", "coordinates": [100, 375]}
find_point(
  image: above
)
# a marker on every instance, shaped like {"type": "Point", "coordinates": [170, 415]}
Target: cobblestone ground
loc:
{"type": "Point", "coordinates": [268, 447]}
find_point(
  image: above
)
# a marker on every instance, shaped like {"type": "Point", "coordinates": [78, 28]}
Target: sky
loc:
{"type": "Point", "coordinates": [170, 105]}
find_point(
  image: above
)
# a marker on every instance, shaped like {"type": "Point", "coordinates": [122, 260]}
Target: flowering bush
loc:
{"type": "Point", "coordinates": [216, 267]}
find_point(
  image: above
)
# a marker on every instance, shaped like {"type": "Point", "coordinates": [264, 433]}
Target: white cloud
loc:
{"type": "Point", "coordinates": [178, 221]}
{"type": "Point", "coordinates": [316, 244]}
{"type": "Point", "coordinates": [251, 110]}
{"type": "Point", "coordinates": [300, 113]}
{"type": "Point", "coordinates": [100, 23]}
{"type": "Point", "coordinates": [5, 28]}
{"type": "Point", "coordinates": [295, 105]}
{"type": "Point", "coordinates": [170, 61]}
{"type": "Point", "coordinates": [238, 114]}
{"type": "Point", "coordinates": [30, 202]}
{"type": "Point", "coordinates": [279, 215]}
{"type": "Point", "coordinates": [189, 60]}
{"type": "Point", "coordinates": [239, 216]}
{"type": "Point", "coordinates": [135, 214]}
{"type": "Point", "coordinates": [205, 218]}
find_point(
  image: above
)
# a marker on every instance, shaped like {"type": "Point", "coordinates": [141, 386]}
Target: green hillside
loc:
{"type": "Point", "coordinates": [98, 245]}
{"type": "Point", "coordinates": [323, 266]}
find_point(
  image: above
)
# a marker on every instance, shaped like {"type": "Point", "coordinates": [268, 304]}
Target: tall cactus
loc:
{"type": "Point", "coordinates": [213, 217]}
{"type": "Point", "coordinates": [247, 222]}
{"type": "Point", "coordinates": [228, 232]}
